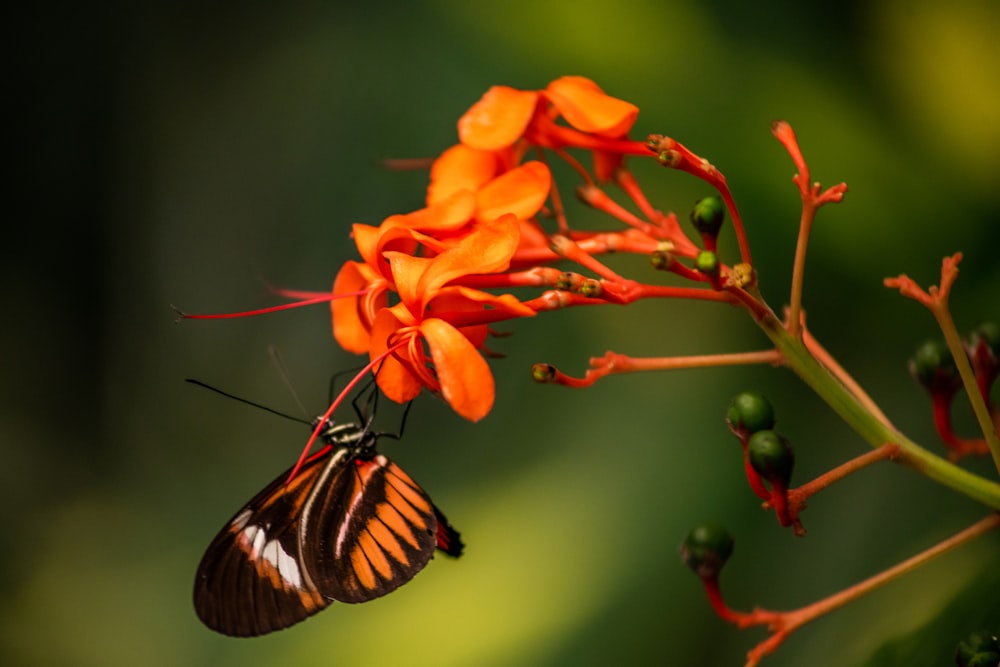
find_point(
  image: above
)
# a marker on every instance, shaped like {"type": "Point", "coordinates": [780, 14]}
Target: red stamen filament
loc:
{"type": "Point", "coordinates": [325, 417]}
{"type": "Point", "coordinates": [566, 247]}
{"type": "Point", "coordinates": [262, 311]}
{"type": "Point", "coordinates": [595, 197]}
{"type": "Point", "coordinates": [627, 182]}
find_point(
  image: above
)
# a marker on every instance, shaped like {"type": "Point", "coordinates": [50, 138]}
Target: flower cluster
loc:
{"type": "Point", "coordinates": [417, 303]}
{"type": "Point", "coordinates": [421, 299]}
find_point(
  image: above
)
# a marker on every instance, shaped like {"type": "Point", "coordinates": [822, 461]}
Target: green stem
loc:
{"type": "Point", "coordinates": [978, 401]}
{"type": "Point", "coordinates": [814, 374]}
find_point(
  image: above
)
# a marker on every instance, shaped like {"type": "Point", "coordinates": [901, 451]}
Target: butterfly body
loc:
{"type": "Point", "coordinates": [351, 526]}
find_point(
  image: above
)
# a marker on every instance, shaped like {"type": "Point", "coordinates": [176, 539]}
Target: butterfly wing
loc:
{"type": "Point", "coordinates": [347, 528]}
{"type": "Point", "coordinates": [448, 539]}
{"type": "Point", "coordinates": [387, 531]}
{"type": "Point", "coordinates": [252, 579]}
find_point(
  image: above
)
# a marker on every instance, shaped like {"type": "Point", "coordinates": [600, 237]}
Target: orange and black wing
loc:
{"type": "Point", "coordinates": [252, 579]}
{"type": "Point", "coordinates": [387, 531]}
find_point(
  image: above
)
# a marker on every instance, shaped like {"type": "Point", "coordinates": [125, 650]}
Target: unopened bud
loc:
{"type": "Point", "coordinates": [750, 412]}
{"type": "Point", "coordinates": [933, 367]}
{"type": "Point", "coordinates": [771, 456]}
{"type": "Point", "coordinates": [708, 215]}
{"type": "Point", "coordinates": [706, 550]}
{"type": "Point", "coordinates": [707, 262]}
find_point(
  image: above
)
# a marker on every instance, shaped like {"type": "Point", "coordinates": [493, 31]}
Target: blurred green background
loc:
{"type": "Point", "coordinates": [179, 154]}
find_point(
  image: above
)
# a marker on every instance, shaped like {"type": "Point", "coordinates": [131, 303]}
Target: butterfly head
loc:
{"type": "Point", "coordinates": [360, 439]}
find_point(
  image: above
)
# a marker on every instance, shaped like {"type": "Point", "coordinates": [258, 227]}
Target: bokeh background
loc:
{"type": "Point", "coordinates": [177, 154]}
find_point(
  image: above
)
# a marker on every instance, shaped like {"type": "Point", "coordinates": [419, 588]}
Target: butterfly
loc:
{"type": "Point", "coordinates": [351, 526]}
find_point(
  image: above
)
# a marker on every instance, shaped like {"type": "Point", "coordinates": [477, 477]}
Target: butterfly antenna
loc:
{"type": "Point", "coordinates": [247, 401]}
{"type": "Point", "coordinates": [286, 377]}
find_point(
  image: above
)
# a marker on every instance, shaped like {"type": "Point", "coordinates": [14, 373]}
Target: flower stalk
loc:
{"type": "Point", "coordinates": [869, 426]}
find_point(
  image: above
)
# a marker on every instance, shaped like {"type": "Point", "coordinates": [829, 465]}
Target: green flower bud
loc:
{"type": "Point", "coordinates": [707, 262]}
{"type": "Point", "coordinates": [771, 456]}
{"type": "Point", "coordinates": [708, 214]}
{"type": "Point", "coordinates": [706, 549]}
{"type": "Point", "coordinates": [751, 412]}
{"type": "Point", "coordinates": [933, 367]}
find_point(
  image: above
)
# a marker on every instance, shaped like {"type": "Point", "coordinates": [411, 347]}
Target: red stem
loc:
{"type": "Point", "coordinates": [714, 594]}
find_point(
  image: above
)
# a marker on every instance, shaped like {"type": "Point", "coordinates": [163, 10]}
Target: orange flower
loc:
{"type": "Point", "coordinates": [499, 119]}
{"type": "Point", "coordinates": [587, 108]}
{"type": "Point", "coordinates": [430, 338]}
{"type": "Point", "coordinates": [521, 191]}
{"type": "Point", "coordinates": [596, 121]}
{"type": "Point", "coordinates": [461, 195]}
{"type": "Point", "coordinates": [479, 213]}
{"type": "Point", "coordinates": [361, 288]}
{"type": "Point", "coordinates": [461, 168]}
{"type": "Point", "coordinates": [362, 293]}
